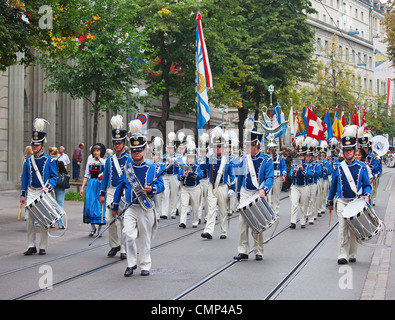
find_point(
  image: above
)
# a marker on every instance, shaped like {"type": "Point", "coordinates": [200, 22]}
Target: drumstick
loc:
{"type": "Point", "coordinates": [20, 212]}
{"type": "Point", "coordinates": [330, 215]}
{"type": "Point", "coordinates": [102, 208]}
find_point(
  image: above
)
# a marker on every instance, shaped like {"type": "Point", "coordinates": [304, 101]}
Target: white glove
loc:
{"type": "Point", "coordinates": [230, 193]}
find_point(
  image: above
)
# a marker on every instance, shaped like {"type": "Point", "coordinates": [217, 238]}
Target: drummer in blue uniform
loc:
{"type": "Point", "coordinates": [191, 193]}
{"type": "Point", "coordinates": [157, 157]}
{"type": "Point", "coordinates": [371, 160]}
{"type": "Point", "coordinates": [256, 177]}
{"type": "Point", "coordinates": [112, 171]}
{"type": "Point", "coordinates": [342, 192]}
{"type": "Point", "coordinates": [43, 178]}
{"type": "Point", "coordinates": [140, 221]}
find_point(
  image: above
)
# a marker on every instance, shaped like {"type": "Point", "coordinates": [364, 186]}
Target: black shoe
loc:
{"type": "Point", "coordinates": [144, 272]}
{"type": "Point", "coordinates": [292, 226]}
{"type": "Point", "coordinates": [206, 235]}
{"type": "Point", "coordinates": [129, 271]}
{"type": "Point", "coordinates": [241, 256]}
{"type": "Point", "coordinates": [123, 256]}
{"type": "Point", "coordinates": [30, 251]}
{"type": "Point", "coordinates": [342, 261]}
{"type": "Point", "coordinates": [303, 226]}
{"type": "Point", "coordinates": [163, 217]}
{"type": "Point", "coordinates": [182, 225]}
{"type": "Point", "coordinates": [113, 251]}
{"type": "Point", "coordinates": [258, 257]}
{"type": "Point", "coordinates": [222, 236]}
{"type": "Point", "coordinates": [42, 252]}
{"type": "Point", "coordinates": [352, 260]}
{"type": "Point", "coordinates": [92, 233]}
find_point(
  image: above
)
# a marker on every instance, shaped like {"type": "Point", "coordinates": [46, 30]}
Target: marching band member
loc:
{"type": "Point", "coordinates": [311, 208]}
{"type": "Point", "coordinates": [300, 174]}
{"type": "Point", "coordinates": [232, 142]}
{"type": "Point", "coordinates": [139, 223]}
{"type": "Point", "coordinates": [342, 192]}
{"type": "Point", "coordinates": [256, 178]}
{"type": "Point", "coordinates": [111, 174]}
{"type": "Point", "coordinates": [190, 175]}
{"type": "Point", "coordinates": [160, 166]}
{"type": "Point", "coordinates": [326, 170]}
{"type": "Point", "coordinates": [202, 160]}
{"type": "Point", "coordinates": [94, 213]}
{"type": "Point", "coordinates": [172, 185]}
{"type": "Point", "coordinates": [373, 161]}
{"type": "Point", "coordinates": [280, 173]}
{"type": "Point", "coordinates": [222, 184]}
{"type": "Point", "coordinates": [39, 174]}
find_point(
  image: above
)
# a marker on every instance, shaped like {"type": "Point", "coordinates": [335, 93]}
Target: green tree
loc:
{"type": "Point", "coordinates": [97, 54]}
{"type": "Point", "coordinates": [172, 32]}
{"type": "Point", "coordinates": [277, 44]}
{"type": "Point", "coordinates": [20, 31]}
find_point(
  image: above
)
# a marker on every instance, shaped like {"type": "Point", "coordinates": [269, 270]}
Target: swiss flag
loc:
{"type": "Point", "coordinates": [316, 128]}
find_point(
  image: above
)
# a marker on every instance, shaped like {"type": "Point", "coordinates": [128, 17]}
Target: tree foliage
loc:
{"type": "Point", "coordinates": [97, 54]}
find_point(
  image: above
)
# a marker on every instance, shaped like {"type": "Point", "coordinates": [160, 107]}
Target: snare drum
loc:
{"type": "Point", "coordinates": [258, 213]}
{"type": "Point", "coordinates": [362, 220]}
{"type": "Point", "coordinates": [45, 210]}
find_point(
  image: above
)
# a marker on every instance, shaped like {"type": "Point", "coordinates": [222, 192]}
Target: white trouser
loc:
{"type": "Point", "coordinates": [171, 195]}
{"type": "Point", "coordinates": [138, 225]}
{"type": "Point", "coordinates": [312, 207]}
{"type": "Point", "coordinates": [319, 194]}
{"type": "Point", "coordinates": [217, 196]}
{"type": "Point", "coordinates": [203, 187]}
{"type": "Point", "coordinates": [244, 244]}
{"type": "Point", "coordinates": [114, 238]}
{"type": "Point", "coordinates": [325, 191]}
{"type": "Point", "coordinates": [347, 242]}
{"type": "Point", "coordinates": [30, 228]}
{"type": "Point", "coordinates": [299, 199]}
{"type": "Point", "coordinates": [190, 195]}
{"type": "Point", "coordinates": [274, 194]}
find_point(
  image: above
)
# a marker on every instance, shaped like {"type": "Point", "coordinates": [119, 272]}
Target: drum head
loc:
{"type": "Point", "coordinates": [354, 208]}
{"type": "Point", "coordinates": [248, 201]}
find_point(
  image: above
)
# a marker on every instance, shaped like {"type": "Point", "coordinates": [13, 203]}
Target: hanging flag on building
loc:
{"type": "Point", "coordinates": [203, 77]}
{"type": "Point", "coordinates": [316, 128]}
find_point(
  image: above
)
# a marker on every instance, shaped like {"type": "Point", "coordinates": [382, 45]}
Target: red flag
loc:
{"type": "Point", "coordinates": [316, 128]}
{"type": "Point", "coordinates": [355, 118]}
{"type": "Point", "coordinates": [343, 119]}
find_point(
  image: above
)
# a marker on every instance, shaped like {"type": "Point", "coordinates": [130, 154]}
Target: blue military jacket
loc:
{"type": "Point", "coordinates": [279, 166]}
{"type": "Point", "coordinates": [193, 178]}
{"type": "Point", "coordinates": [301, 177]}
{"type": "Point", "coordinates": [176, 166]}
{"type": "Point", "coordinates": [46, 165]}
{"type": "Point", "coordinates": [227, 177]}
{"type": "Point", "coordinates": [264, 170]}
{"type": "Point", "coordinates": [340, 188]}
{"type": "Point", "coordinates": [374, 163]}
{"type": "Point", "coordinates": [110, 173]}
{"type": "Point", "coordinates": [146, 173]}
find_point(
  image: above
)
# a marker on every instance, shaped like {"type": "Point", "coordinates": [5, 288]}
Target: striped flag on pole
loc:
{"type": "Point", "coordinates": [203, 78]}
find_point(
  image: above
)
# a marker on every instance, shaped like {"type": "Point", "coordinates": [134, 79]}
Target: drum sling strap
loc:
{"type": "Point", "coordinates": [252, 172]}
{"type": "Point", "coordinates": [220, 172]}
{"type": "Point", "coordinates": [350, 179]}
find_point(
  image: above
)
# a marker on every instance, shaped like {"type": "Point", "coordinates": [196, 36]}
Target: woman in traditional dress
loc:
{"type": "Point", "coordinates": [93, 211]}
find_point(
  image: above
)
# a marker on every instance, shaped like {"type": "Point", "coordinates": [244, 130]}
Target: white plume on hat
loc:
{"type": "Point", "coordinates": [324, 144]}
{"type": "Point", "coordinates": [181, 136]}
{"type": "Point", "coordinates": [190, 138]}
{"type": "Point", "coordinates": [226, 136]}
{"type": "Point", "coordinates": [116, 122]}
{"type": "Point", "coordinates": [172, 136]}
{"type": "Point", "coordinates": [158, 141]}
{"type": "Point", "coordinates": [349, 131]}
{"type": "Point", "coordinates": [333, 141]}
{"type": "Point", "coordinates": [39, 124]}
{"type": "Point", "coordinates": [361, 132]}
{"type": "Point", "coordinates": [216, 132]}
{"type": "Point", "coordinates": [249, 123]}
{"type": "Point", "coordinates": [204, 137]}
{"type": "Point", "coordinates": [299, 141]}
{"type": "Point", "coordinates": [308, 141]}
{"type": "Point", "coordinates": [314, 143]}
{"type": "Point", "coordinates": [135, 127]}
{"type": "Point", "coordinates": [191, 145]}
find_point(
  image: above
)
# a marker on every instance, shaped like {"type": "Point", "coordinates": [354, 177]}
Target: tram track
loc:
{"type": "Point", "coordinates": [180, 295]}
